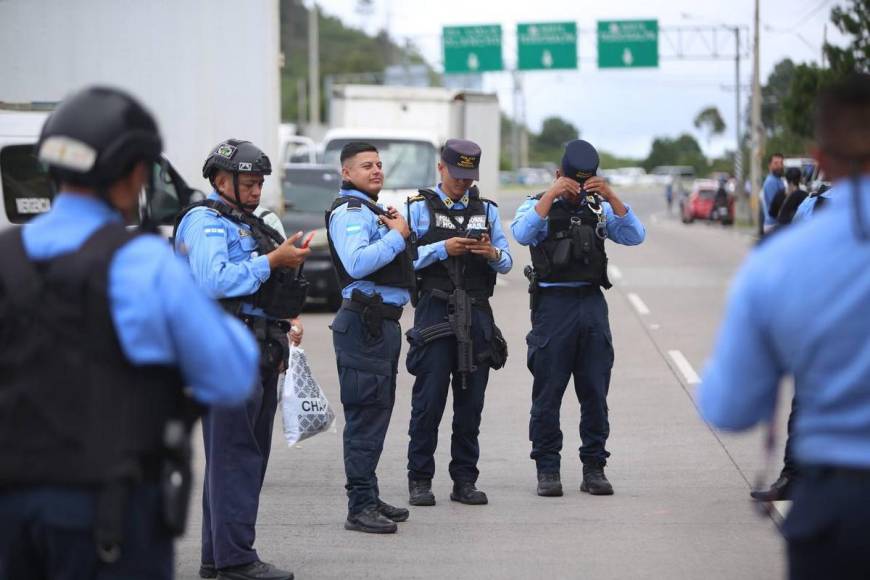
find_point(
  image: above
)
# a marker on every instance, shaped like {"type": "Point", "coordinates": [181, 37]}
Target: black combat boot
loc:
{"type": "Point", "coordinates": [254, 571]}
{"type": "Point", "coordinates": [594, 480]}
{"type": "Point", "coordinates": [465, 492]}
{"type": "Point", "coordinates": [371, 521]}
{"type": "Point", "coordinates": [779, 490]}
{"type": "Point", "coordinates": [394, 513]}
{"type": "Point", "coordinates": [420, 492]}
{"type": "Point", "coordinates": [549, 484]}
{"type": "Point", "coordinates": [207, 571]}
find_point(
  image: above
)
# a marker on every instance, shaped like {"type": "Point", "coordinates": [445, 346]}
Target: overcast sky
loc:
{"type": "Point", "coordinates": [618, 110]}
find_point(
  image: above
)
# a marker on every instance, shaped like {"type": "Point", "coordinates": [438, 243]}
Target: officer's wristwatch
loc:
{"type": "Point", "coordinates": [498, 255]}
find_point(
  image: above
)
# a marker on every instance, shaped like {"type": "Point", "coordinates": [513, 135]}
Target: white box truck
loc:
{"type": "Point", "coordinates": [411, 123]}
{"type": "Point", "coordinates": [207, 69]}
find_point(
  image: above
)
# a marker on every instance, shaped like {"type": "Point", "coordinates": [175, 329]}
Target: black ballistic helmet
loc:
{"type": "Point", "coordinates": [96, 135]}
{"type": "Point", "coordinates": [236, 156]}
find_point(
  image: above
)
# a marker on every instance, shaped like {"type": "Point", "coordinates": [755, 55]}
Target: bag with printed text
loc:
{"type": "Point", "coordinates": [304, 407]}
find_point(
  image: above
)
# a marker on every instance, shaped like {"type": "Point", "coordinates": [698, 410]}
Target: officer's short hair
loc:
{"type": "Point", "coordinates": [354, 148]}
{"type": "Point", "coordinates": [843, 117]}
{"type": "Point", "coordinates": [773, 156]}
{"type": "Point", "coordinates": [793, 175]}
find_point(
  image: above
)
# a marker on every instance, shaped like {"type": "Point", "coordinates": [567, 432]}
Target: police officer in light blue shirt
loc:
{"type": "Point", "coordinates": [370, 251]}
{"type": "Point", "coordinates": [101, 332]}
{"type": "Point", "coordinates": [773, 184]}
{"type": "Point", "coordinates": [237, 258]}
{"type": "Point", "coordinates": [818, 275]}
{"type": "Point", "coordinates": [565, 229]}
{"type": "Point", "coordinates": [461, 247]}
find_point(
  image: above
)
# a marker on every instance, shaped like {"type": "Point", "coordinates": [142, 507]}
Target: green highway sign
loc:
{"type": "Point", "coordinates": [547, 45]}
{"type": "Point", "coordinates": [628, 43]}
{"type": "Point", "coordinates": [472, 49]}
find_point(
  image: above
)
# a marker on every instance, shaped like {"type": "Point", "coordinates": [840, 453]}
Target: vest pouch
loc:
{"type": "Point", "coordinates": [283, 294]}
{"type": "Point", "coordinates": [562, 253]}
{"type": "Point", "coordinates": [582, 242]}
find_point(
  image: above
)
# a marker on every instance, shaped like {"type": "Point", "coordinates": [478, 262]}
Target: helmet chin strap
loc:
{"type": "Point", "coordinates": [237, 200]}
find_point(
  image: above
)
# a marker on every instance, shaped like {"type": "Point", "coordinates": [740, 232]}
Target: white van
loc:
{"type": "Point", "coordinates": [27, 190]}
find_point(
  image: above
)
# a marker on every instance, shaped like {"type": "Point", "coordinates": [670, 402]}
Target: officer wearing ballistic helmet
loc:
{"type": "Point", "coordinates": [461, 249]}
{"type": "Point", "coordinates": [100, 341]}
{"type": "Point", "coordinates": [373, 261]}
{"type": "Point", "coordinates": [565, 229]}
{"type": "Point", "coordinates": [249, 268]}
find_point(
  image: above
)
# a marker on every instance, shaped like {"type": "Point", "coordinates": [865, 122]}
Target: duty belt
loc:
{"type": "Point", "coordinates": [372, 310]}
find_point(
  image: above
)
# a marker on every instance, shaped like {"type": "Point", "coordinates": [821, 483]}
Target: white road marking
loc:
{"type": "Point", "coordinates": [638, 304]}
{"type": "Point", "coordinates": [501, 282]}
{"type": "Point", "coordinates": [615, 273]}
{"type": "Point", "coordinates": [685, 367]}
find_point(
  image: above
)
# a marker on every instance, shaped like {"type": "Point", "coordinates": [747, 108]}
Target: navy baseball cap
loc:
{"type": "Point", "coordinates": [580, 160]}
{"type": "Point", "coordinates": [462, 158]}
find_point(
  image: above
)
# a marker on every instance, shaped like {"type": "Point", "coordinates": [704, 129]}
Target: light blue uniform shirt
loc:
{"type": "Point", "coordinates": [161, 317]}
{"type": "Point", "coordinates": [530, 229]}
{"type": "Point", "coordinates": [772, 185]}
{"type": "Point", "coordinates": [222, 255]}
{"type": "Point", "coordinates": [431, 253]}
{"type": "Point", "coordinates": [365, 245]}
{"type": "Point", "coordinates": [800, 306]}
{"type": "Point", "coordinates": [808, 206]}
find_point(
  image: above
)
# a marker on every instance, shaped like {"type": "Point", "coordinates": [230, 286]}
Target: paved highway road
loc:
{"type": "Point", "coordinates": [681, 507]}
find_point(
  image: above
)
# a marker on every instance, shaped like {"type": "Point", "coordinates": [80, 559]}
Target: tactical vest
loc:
{"type": "Point", "coordinates": [399, 273]}
{"type": "Point", "coordinates": [444, 223]}
{"type": "Point", "coordinates": [573, 250]}
{"type": "Point", "coordinates": [73, 409]}
{"type": "Point", "coordinates": [283, 294]}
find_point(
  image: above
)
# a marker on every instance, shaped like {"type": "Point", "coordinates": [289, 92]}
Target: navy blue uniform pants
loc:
{"type": "Point", "coordinates": [47, 533]}
{"type": "Point", "coordinates": [570, 337]}
{"type": "Point", "coordinates": [828, 527]}
{"type": "Point", "coordinates": [237, 444]}
{"type": "Point", "coordinates": [367, 368]}
{"type": "Point", "coordinates": [434, 365]}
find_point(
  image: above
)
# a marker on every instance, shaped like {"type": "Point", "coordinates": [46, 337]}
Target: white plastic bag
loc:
{"type": "Point", "coordinates": [304, 407]}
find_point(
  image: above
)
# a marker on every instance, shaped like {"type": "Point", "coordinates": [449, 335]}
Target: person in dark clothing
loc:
{"type": "Point", "coordinates": [793, 198]}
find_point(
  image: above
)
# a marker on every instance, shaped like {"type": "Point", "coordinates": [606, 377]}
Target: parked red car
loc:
{"type": "Point", "coordinates": [701, 204]}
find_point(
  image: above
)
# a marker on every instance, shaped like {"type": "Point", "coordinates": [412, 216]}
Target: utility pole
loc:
{"type": "Point", "coordinates": [742, 207]}
{"type": "Point", "coordinates": [516, 128]}
{"type": "Point", "coordinates": [756, 134]}
{"type": "Point", "coordinates": [313, 66]}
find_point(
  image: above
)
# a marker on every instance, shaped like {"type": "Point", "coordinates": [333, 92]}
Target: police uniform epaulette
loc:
{"type": "Point", "coordinates": [418, 197]}
{"type": "Point", "coordinates": [355, 204]}
{"type": "Point", "coordinates": [489, 201]}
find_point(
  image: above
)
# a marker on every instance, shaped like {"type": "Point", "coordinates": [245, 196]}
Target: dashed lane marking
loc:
{"type": "Point", "coordinates": [685, 367]}
{"type": "Point", "coordinates": [637, 303]}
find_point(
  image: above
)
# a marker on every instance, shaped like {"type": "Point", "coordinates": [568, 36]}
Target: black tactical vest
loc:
{"type": "Point", "coordinates": [573, 250]}
{"type": "Point", "coordinates": [398, 274]}
{"type": "Point", "coordinates": [73, 409]}
{"type": "Point", "coordinates": [283, 294]}
{"type": "Point", "coordinates": [444, 223]}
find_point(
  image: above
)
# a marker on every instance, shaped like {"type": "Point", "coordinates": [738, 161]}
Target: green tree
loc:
{"type": "Point", "coordinates": [684, 150]}
{"type": "Point", "coordinates": [555, 132]}
{"type": "Point", "coordinates": [853, 21]}
{"type": "Point", "coordinates": [343, 50]}
{"type": "Point", "coordinates": [710, 121]}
